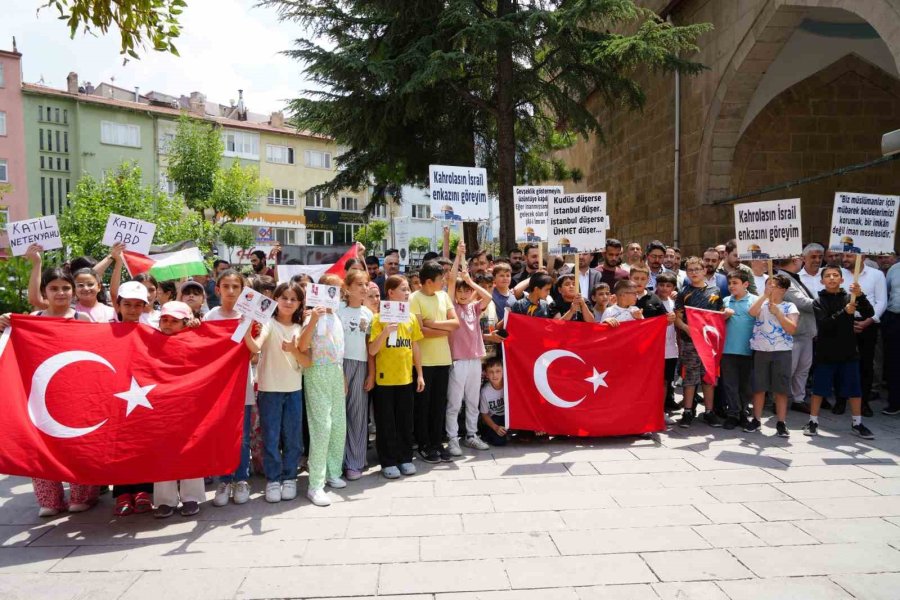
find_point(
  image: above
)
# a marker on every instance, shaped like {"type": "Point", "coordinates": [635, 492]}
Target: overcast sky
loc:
{"type": "Point", "coordinates": [225, 45]}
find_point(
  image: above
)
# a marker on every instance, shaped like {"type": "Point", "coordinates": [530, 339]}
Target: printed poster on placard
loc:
{"type": "Point", "coordinates": [863, 223]}
{"type": "Point", "coordinates": [328, 296]}
{"type": "Point", "coordinates": [531, 202]}
{"type": "Point", "coordinates": [401, 238]}
{"type": "Point", "coordinates": [770, 229]}
{"type": "Point", "coordinates": [394, 312]}
{"type": "Point", "coordinates": [255, 305]}
{"type": "Point", "coordinates": [458, 193]}
{"type": "Point", "coordinates": [42, 230]}
{"type": "Point", "coordinates": [137, 235]}
{"type": "Point", "coordinates": [577, 223]}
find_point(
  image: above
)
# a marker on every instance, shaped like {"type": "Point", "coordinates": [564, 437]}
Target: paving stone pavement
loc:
{"type": "Point", "coordinates": [689, 514]}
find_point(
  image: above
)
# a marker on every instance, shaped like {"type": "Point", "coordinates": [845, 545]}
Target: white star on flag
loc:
{"type": "Point", "coordinates": [597, 379]}
{"type": "Point", "coordinates": [136, 396]}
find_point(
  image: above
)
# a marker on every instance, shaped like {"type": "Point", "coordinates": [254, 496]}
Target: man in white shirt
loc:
{"type": "Point", "coordinates": [672, 263]}
{"type": "Point", "coordinates": [588, 278]}
{"type": "Point", "coordinates": [812, 265]}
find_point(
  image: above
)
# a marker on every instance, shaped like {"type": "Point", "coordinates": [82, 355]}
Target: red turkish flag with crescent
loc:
{"type": "Point", "coordinates": [707, 328]}
{"type": "Point", "coordinates": [104, 403]}
{"type": "Point", "coordinates": [584, 379]}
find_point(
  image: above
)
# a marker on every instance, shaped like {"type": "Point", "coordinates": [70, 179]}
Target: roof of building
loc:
{"type": "Point", "coordinates": [35, 88]}
{"type": "Point", "coordinates": [275, 219]}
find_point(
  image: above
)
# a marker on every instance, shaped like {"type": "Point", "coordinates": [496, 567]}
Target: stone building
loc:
{"type": "Point", "coordinates": [794, 89]}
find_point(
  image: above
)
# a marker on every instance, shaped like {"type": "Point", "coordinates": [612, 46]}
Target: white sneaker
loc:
{"type": "Point", "coordinates": [336, 483]}
{"type": "Point", "coordinates": [476, 442]}
{"type": "Point", "coordinates": [223, 493]}
{"type": "Point", "coordinates": [289, 489]}
{"type": "Point", "coordinates": [45, 511]}
{"type": "Point", "coordinates": [273, 491]}
{"type": "Point", "coordinates": [77, 508]}
{"type": "Point", "coordinates": [241, 492]}
{"type": "Point", "coordinates": [453, 447]}
{"type": "Point", "coordinates": [318, 497]}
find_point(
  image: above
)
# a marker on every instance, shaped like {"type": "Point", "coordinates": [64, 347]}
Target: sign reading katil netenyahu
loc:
{"type": "Point", "coordinates": [768, 229]}
{"type": "Point", "coordinates": [863, 223]}
{"type": "Point", "coordinates": [42, 230]}
{"type": "Point", "coordinates": [458, 193]}
{"type": "Point", "coordinates": [531, 204]}
{"type": "Point", "coordinates": [577, 223]}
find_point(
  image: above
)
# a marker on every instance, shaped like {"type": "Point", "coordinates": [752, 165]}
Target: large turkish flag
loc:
{"type": "Point", "coordinates": [707, 329]}
{"type": "Point", "coordinates": [119, 402]}
{"type": "Point", "coordinates": [584, 379]}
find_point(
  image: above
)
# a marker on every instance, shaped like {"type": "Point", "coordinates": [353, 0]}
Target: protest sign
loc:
{"type": "Point", "coordinates": [531, 211]}
{"type": "Point", "coordinates": [577, 223]}
{"type": "Point", "coordinates": [393, 312]}
{"type": "Point", "coordinates": [401, 238]}
{"type": "Point", "coordinates": [770, 229]}
{"type": "Point", "coordinates": [863, 223]}
{"type": "Point", "coordinates": [42, 230]}
{"type": "Point", "coordinates": [458, 193]}
{"type": "Point", "coordinates": [255, 306]}
{"type": "Point", "coordinates": [328, 296]}
{"type": "Point", "coordinates": [137, 235]}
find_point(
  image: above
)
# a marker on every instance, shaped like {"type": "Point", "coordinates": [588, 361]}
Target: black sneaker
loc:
{"type": "Point", "coordinates": [712, 419]}
{"type": "Point", "coordinates": [687, 417]}
{"type": "Point", "coordinates": [811, 429]}
{"type": "Point", "coordinates": [430, 457]}
{"type": "Point", "coordinates": [445, 456]}
{"type": "Point", "coordinates": [863, 432]}
{"type": "Point", "coordinates": [781, 430]}
{"type": "Point", "coordinates": [189, 509]}
{"type": "Point", "coordinates": [891, 411]}
{"type": "Point", "coordinates": [731, 423]}
{"type": "Point", "coordinates": [752, 426]}
{"type": "Point", "coordinates": [163, 511]}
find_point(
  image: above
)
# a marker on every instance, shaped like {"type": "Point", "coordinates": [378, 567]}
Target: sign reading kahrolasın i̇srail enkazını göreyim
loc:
{"type": "Point", "coordinates": [458, 193]}
{"type": "Point", "coordinates": [769, 229]}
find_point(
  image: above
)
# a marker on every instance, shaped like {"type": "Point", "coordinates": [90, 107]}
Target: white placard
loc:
{"type": "Point", "coordinates": [577, 223]}
{"type": "Point", "coordinates": [401, 238]}
{"type": "Point", "coordinates": [531, 211]}
{"type": "Point", "coordinates": [256, 305]}
{"type": "Point", "coordinates": [863, 223]}
{"type": "Point", "coordinates": [328, 296]}
{"type": "Point", "coordinates": [394, 312]}
{"type": "Point", "coordinates": [42, 230]}
{"type": "Point", "coordinates": [458, 193]}
{"type": "Point", "coordinates": [768, 229]}
{"type": "Point", "coordinates": [137, 235]}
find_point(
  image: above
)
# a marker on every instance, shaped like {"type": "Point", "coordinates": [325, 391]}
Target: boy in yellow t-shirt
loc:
{"type": "Point", "coordinates": [394, 361]}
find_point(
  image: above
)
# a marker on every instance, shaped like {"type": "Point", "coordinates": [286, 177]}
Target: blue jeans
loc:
{"type": "Point", "coordinates": [243, 470]}
{"type": "Point", "coordinates": [280, 415]}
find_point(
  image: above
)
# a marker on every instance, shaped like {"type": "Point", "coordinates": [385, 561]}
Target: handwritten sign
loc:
{"type": "Point", "coordinates": [328, 296]}
{"type": "Point", "coordinates": [137, 235]}
{"type": "Point", "coordinates": [458, 193]}
{"type": "Point", "coordinates": [531, 203]}
{"type": "Point", "coordinates": [768, 229]}
{"type": "Point", "coordinates": [578, 223]}
{"type": "Point", "coordinates": [42, 230]}
{"type": "Point", "coordinates": [863, 223]}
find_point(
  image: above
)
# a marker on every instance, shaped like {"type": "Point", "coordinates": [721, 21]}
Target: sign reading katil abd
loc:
{"type": "Point", "coordinates": [531, 211]}
{"type": "Point", "coordinates": [578, 223]}
{"type": "Point", "coordinates": [863, 223]}
{"type": "Point", "coordinates": [458, 193]}
{"type": "Point", "coordinates": [42, 230]}
{"type": "Point", "coordinates": [768, 229]}
{"type": "Point", "coordinates": [137, 235]}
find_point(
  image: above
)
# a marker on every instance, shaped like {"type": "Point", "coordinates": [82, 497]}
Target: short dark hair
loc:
{"type": "Point", "coordinates": [666, 277]}
{"type": "Point", "coordinates": [782, 280]}
{"type": "Point", "coordinates": [711, 249]}
{"type": "Point", "coordinates": [730, 246]}
{"type": "Point", "coordinates": [264, 283]}
{"type": "Point", "coordinates": [494, 361]}
{"type": "Point", "coordinates": [430, 255]}
{"type": "Point", "coordinates": [259, 254]}
{"type": "Point", "coordinates": [613, 243]}
{"type": "Point", "coordinates": [603, 287]}
{"type": "Point", "coordinates": [511, 250]}
{"type": "Point", "coordinates": [476, 254]}
{"type": "Point", "coordinates": [783, 262]}
{"type": "Point", "coordinates": [444, 262]}
{"type": "Point", "coordinates": [739, 274]}
{"type": "Point", "coordinates": [624, 285]}
{"type": "Point", "coordinates": [218, 262]}
{"type": "Point", "coordinates": [529, 246]}
{"type": "Point", "coordinates": [372, 260]}
{"type": "Point", "coordinates": [538, 280]}
{"type": "Point", "coordinates": [655, 245]}
{"type": "Point", "coordinates": [390, 251]}
{"type": "Point", "coordinates": [484, 278]}
{"type": "Point", "coordinates": [431, 271]}
{"type": "Point", "coordinates": [829, 268]}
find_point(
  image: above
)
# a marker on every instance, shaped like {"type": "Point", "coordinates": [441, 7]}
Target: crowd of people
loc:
{"type": "Point", "coordinates": [322, 383]}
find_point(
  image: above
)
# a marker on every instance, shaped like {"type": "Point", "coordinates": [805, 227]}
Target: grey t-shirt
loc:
{"type": "Point", "coordinates": [492, 401]}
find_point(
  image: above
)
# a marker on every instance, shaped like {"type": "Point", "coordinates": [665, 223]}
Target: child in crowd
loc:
{"type": "Point", "coordinates": [373, 298]}
{"type": "Point", "coordinates": [265, 285]}
{"type": "Point", "coordinates": [356, 320]}
{"type": "Point", "coordinates": [193, 294]}
{"type": "Point", "coordinates": [394, 363]}
{"type": "Point", "coordinates": [493, 405]}
{"type": "Point", "coordinates": [437, 319]}
{"type": "Point", "coordinates": [174, 317]}
{"type": "Point", "coordinates": [489, 317]}
{"type": "Point", "coordinates": [236, 486]}
{"type": "Point", "coordinates": [600, 296]}
{"type": "Point", "coordinates": [776, 321]}
{"type": "Point", "coordinates": [534, 302]}
{"type": "Point", "coordinates": [467, 349]}
{"type": "Point", "coordinates": [167, 292]}
{"type": "Point", "coordinates": [697, 294]}
{"type": "Point", "coordinates": [415, 284]}
{"type": "Point", "coordinates": [737, 356]}
{"type": "Point", "coordinates": [323, 338]}
{"type": "Point", "coordinates": [837, 357]}
{"type": "Point", "coordinates": [87, 288]}
{"type": "Point", "coordinates": [666, 283]}
{"type": "Point", "coordinates": [280, 399]}
{"type": "Point", "coordinates": [625, 308]}
{"type": "Point", "coordinates": [502, 294]}
{"type": "Point", "coordinates": [648, 302]}
{"type": "Point", "coordinates": [569, 305]}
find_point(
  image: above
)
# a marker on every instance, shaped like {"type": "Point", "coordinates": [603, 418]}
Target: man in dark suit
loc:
{"type": "Point", "coordinates": [588, 278]}
{"type": "Point", "coordinates": [711, 263]}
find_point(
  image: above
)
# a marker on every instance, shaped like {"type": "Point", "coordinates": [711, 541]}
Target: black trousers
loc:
{"type": "Point", "coordinates": [890, 331]}
{"type": "Point", "coordinates": [431, 408]}
{"type": "Point", "coordinates": [669, 376]}
{"type": "Point", "coordinates": [865, 343]}
{"type": "Point", "coordinates": [394, 424]}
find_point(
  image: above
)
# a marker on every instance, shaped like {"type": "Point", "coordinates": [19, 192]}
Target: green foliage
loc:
{"type": "Point", "coordinates": [454, 242]}
{"type": "Point", "coordinates": [235, 191]}
{"type": "Point", "coordinates": [140, 22]}
{"type": "Point", "coordinates": [121, 192]}
{"type": "Point", "coordinates": [194, 157]}
{"type": "Point", "coordinates": [372, 233]}
{"type": "Point", "coordinates": [236, 237]}
{"type": "Point", "coordinates": [420, 244]}
{"type": "Point", "coordinates": [14, 274]}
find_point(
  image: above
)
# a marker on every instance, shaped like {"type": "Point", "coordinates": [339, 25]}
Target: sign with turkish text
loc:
{"type": "Point", "coordinates": [770, 229]}
{"type": "Point", "coordinates": [577, 223]}
{"type": "Point", "coordinates": [328, 296]}
{"type": "Point", "coordinates": [458, 193]}
{"type": "Point", "coordinates": [401, 238]}
{"type": "Point", "coordinates": [394, 312]}
{"type": "Point", "coordinates": [256, 305]}
{"type": "Point", "coordinates": [137, 235]}
{"type": "Point", "coordinates": [863, 223]}
{"type": "Point", "coordinates": [42, 230]}
{"type": "Point", "coordinates": [531, 204]}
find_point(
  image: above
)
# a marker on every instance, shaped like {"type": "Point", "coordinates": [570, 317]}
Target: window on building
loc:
{"type": "Point", "coordinates": [380, 211]}
{"type": "Point", "coordinates": [346, 232]}
{"type": "Point", "coordinates": [4, 212]}
{"type": "Point", "coordinates": [241, 144]}
{"type": "Point", "coordinates": [282, 155]}
{"type": "Point", "coordinates": [65, 117]}
{"type": "Point", "coordinates": [56, 114]}
{"type": "Point", "coordinates": [41, 137]}
{"type": "Point", "coordinates": [59, 194]}
{"type": "Point", "coordinates": [120, 134]}
{"type": "Point", "coordinates": [58, 164]}
{"type": "Point", "coordinates": [349, 203]}
{"type": "Point", "coordinates": [50, 140]}
{"type": "Point", "coordinates": [4, 171]}
{"type": "Point", "coordinates": [52, 198]}
{"type": "Point", "coordinates": [67, 164]}
{"type": "Point", "coordinates": [42, 162]}
{"type": "Point", "coordinates": [319, 238]}
{"type": "Point", "coordinates": [165, 138]}
{"type": "Point", "coordinates": [40, 112]}
{"type": "Point", "coordinates": [65, 141]}
{"type": "Point", "coordinates": [2, 123]}
{"type": "Point", "coordinates": [43, 197]}
{"type": "Point", "coordinates": [317, 200]}
{"type": "Point", "coordinates": [281, 197]}
{"type": "Point", "coordinates": [316, 159]}
{"type": "Point", "coordinates": [2, 77]}
{"type": "Point", "coordinates": [286, 237]}
{"type": "Point", "coordinates": [49, 110]}
{"type": "Point", "coordinates": [58, 145]}
{"type": "Point", "coordinates": [421, 211]}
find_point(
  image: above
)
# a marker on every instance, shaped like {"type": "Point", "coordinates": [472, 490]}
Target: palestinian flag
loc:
{"type": "Point", "coordinates": [167, 266]}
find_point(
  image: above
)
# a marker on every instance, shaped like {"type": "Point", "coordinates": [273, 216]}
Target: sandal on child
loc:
{"type": "Point", "coordinates": [124, 505]}
{"type": "Point", "coordinates": [142, 503]}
